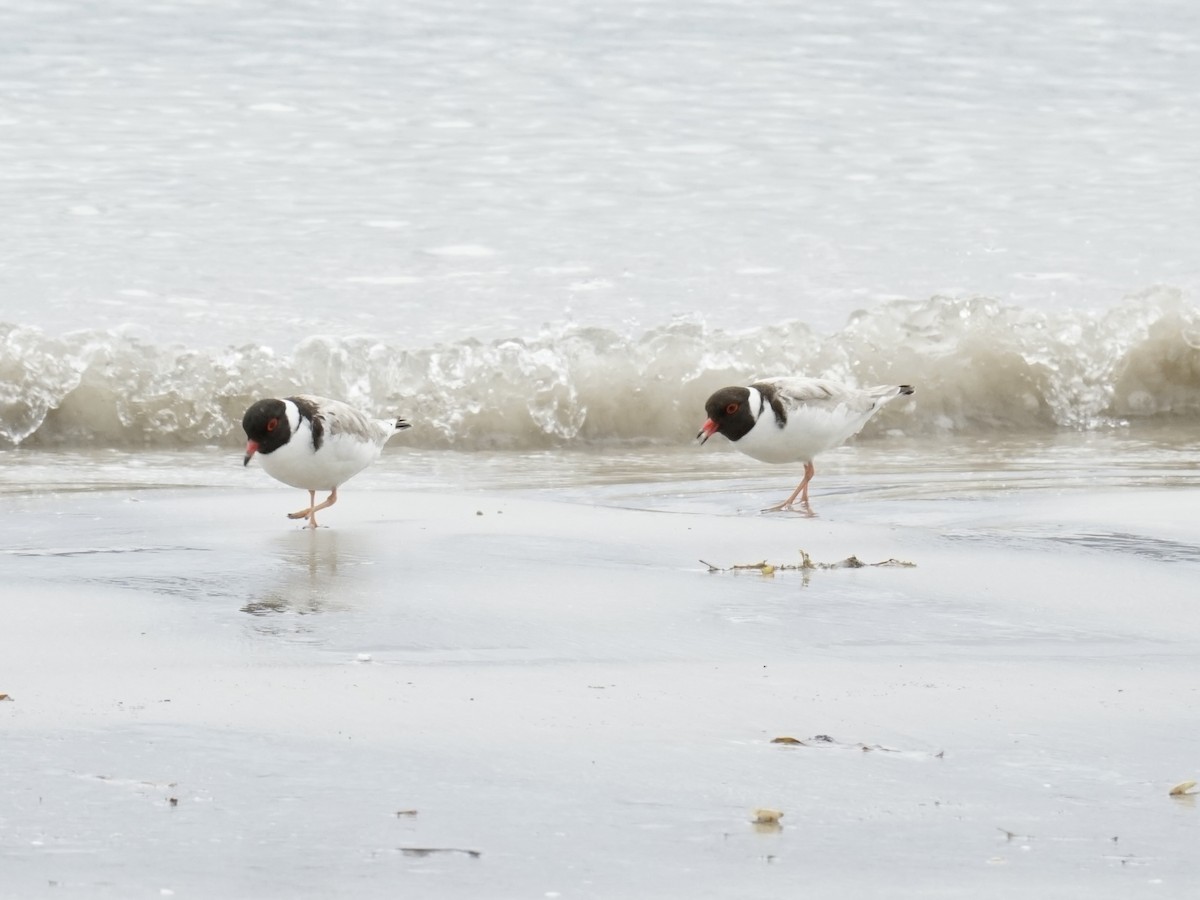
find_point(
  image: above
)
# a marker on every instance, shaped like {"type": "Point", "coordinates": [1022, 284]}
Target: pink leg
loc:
{"type": "Point", "coordinates": [801, 491]}
{"type": "Point", "coordinates": [329, 501]}
{"type": "Point", "coordinates": [809, 471]}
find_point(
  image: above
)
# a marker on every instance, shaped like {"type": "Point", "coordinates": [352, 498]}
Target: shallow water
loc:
{"type": "Point", "coordinates": [891, 466]}
{"type": "Point", "coordinates": [267, 172]}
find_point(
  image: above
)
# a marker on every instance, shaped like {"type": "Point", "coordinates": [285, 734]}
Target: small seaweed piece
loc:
{"type": "Point", "coordinates": [764, 567]}
{"type": "Point", "coordinates": [824, 740]}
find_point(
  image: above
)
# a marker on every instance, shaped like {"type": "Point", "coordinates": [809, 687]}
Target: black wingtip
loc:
{"type": "Point", "coordinates": [401, 424]}
{"type": "Point", "coordinates": [906, 389]}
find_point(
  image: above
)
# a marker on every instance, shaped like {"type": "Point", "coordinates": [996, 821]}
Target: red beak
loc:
{"type": "Point", "coordinates": [707, 430]}
{"type": "Point", "coordinates": [251, 449]}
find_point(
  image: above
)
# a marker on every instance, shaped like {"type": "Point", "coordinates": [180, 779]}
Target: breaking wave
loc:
{"type": "Point", "coordinates": [978, 365]}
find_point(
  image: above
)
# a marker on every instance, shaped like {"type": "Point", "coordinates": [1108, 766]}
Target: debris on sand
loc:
{"type": "Point", "coordinates": [429, 851]}
{"type": "Point", "coordinates": [766, 816]}
{"type": "Point", "coordinates": [806, 564]}
{"type": "Point", "coordinates": [824, 740]}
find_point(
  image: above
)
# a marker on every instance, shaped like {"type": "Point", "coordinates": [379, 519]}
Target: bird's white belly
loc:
{"type": "Point", "coordinates": [340, 458]}
{"type": "Point", "coordinates": [808, 432]}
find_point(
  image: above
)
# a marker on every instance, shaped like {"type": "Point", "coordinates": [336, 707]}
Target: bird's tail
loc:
{"type": "Point", "coordinates": [882, 393]}
{"type": "Point", "coordinates": [402, 423]}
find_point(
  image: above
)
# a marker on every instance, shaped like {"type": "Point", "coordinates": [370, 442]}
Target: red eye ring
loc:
{"type": "Point", "coordinates": [272, 425]}
{"type": "Point", "coordinates": [731, 409]}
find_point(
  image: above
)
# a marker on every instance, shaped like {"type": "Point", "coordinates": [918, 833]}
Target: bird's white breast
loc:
{"type": "Point", "coordinates": [340, 457]}
{"type": "Point", "coordinates": [810, 430]}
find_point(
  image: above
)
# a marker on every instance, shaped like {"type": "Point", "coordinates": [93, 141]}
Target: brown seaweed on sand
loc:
{"type": "Point", "coordinates": [807, 564]}
{"type": "Point", "coordinates": [824, 740]}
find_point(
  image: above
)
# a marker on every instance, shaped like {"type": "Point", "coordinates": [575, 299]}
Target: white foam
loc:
{"type": "Point", "coordinates": [978, 365]}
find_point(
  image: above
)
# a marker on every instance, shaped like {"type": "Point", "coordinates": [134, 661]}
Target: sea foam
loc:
{"type": "Point", "coordinates": [978, 365]}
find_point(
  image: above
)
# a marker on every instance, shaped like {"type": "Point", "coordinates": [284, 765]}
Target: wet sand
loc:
{"type": "Point", "coordinates": [549, 693]}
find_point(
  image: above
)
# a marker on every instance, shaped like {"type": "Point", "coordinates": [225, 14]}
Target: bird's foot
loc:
{"type": "Point", "coordinates": [802, 508]}
{"type": "Point", "coordinates": [301, 514]}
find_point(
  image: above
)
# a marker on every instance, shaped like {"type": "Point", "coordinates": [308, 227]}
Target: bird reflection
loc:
{"type": "Point", "coordinates": [306, 578]}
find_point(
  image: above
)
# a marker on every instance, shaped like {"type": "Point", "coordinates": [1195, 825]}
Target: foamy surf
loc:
{"type": "Point", "coordinates": [979, 365]}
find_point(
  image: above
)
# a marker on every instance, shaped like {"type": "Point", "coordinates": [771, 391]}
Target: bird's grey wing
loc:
{"type": "Point", "coordinates": [341, 418]}
{"type": "Point", "coordinates": [816, 393]}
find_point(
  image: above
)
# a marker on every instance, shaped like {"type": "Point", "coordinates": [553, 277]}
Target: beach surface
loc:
{"type": "Point", "coordinates": [512, 689]}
